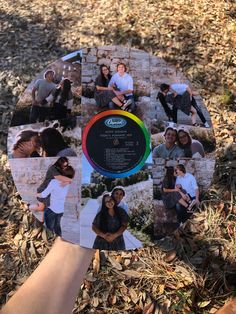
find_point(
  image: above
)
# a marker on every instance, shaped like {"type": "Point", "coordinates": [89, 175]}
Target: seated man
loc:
{"type": "Point", "coordinates": [123, 86]}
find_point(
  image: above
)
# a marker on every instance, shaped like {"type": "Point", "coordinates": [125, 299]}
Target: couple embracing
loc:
{"type": "Point", "coordinates": [178, 143]}
{"type": "Point", "coordinates": [111, 221]}
{"type": "Point", "coordinates": [180, 191]}
{"type": "Point", "coordinates": [51, 194]}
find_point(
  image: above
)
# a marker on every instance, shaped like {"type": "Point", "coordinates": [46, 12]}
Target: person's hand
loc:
{"type": "Point", "coordinates": [64, 183]}
{"type": "Point", "coordinates": [26, 148]}
{"type": "Point", "coordinates": [110, 237]}
{"type": "Point", "coordinates": [117, 93]}
{"type": "Point", "coordinates": [197, 202]}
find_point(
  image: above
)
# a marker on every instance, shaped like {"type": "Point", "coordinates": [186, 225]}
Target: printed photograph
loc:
{"type": "Point", "coordinates": [54, 94]}
{"type": "Point", "coordinates": [173, 98]}
{"type": "Point", "coordinates": [115, 77]}
{"type": "Point", "coordinates": [116, 214]}
{"type": "Point", "coordinates": [174, 141]}
{"type": "Point", "coordinates": [178, 189]}
{"type": "Point", "coordinates": [51, 189]}
{"type": "Point", "coordinates": [48, 139]}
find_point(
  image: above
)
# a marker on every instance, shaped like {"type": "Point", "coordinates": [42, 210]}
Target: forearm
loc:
{"type": "Point", "coordinates": [103, 88]}
{"type": "Point", "coordinates": [54, 285]}
{"type": "Point", "coordinates": [121, 230]}
{"type": "Point", "coordinates": [33, 95]}
{"type": "Point", "coordinates": [98, 232]}
{"type": "Point", "coordinates": [169, 190]}
{"type": "Point", "coordinates": [62, 178]}
{"type": "Point", "coordinates": [197, 194]}
{"type": "Point", "coordinates": [127, 91]}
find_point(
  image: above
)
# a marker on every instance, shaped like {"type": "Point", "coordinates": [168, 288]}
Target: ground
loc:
{"type": "Point", "coordinates": [197, 274]}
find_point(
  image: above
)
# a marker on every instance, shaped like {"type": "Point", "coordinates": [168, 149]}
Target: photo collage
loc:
{"type": "Point", "coordinates": [111, 148]}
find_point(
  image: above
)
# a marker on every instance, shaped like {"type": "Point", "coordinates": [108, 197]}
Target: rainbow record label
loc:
{"type": "Point", "coordinates": [116, 143]}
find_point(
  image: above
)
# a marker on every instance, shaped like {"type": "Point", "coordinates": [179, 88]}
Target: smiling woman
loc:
{"type": "Point", "coordinates": [109, 225]}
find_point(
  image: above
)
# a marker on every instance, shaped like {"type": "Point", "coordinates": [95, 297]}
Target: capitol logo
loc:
{"type": "Point", "coordinates": [115, 122]}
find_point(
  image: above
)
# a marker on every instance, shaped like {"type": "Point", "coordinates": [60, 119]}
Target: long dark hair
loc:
{"type": "Point", "coordinates": [103, 221]}
{"type": "Point", "coordinates": [65, 92]}
{"type": "Point", "coordinates": [52, 142]}
{"type": "Point", "coordinates": [60, 161]}
{"type": "Point", "coordinates": [24, 136]}
{"type": "Point", "coordinates": [169, 177]}
{"type": "Point", "coordinates": [187, 147]}
{"type": "Point", "coordinates": [104, 80]}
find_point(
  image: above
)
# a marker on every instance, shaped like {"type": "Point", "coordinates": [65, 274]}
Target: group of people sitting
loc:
{"type": "Point", "coordinates": [51, 101]}
{"type": "Point", "coordinates": [180, 97]}
{"type": "Point", "coordinates": [47, 143]}
{"type": "Point", "coordinates": [180, 191]}
{"type": "Point", "coordinates": [116, 91]}
{"type": "Point", "coordinates": [52, 192]}
{"type": "Point", "coordinates": [111, 221]}
{"type": "Point", "coordinates": [178, 143]}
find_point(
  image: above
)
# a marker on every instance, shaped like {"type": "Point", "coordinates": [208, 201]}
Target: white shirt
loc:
{"type": "Point", "coordinates": [58, 195]}
{"type": "Point", "coordinates": [124, 205]}
{"type": "Point", "coordinates": [188, 183]}
{"type": "Point", "coordinates": [123, 82]}
{"type": "Point", "coordinates": [180, 89]}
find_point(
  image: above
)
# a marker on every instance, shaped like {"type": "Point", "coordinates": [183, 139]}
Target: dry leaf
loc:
{"type": "Point", "coordinates": [203, 304]}
{"type": "Point", "coordinates": [114, 263]}
{"type": "Point", "coordinates": [149, 308]}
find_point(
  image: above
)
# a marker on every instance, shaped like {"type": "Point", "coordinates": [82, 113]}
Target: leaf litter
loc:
{"type": "Point", "coordinates": [194, 271]}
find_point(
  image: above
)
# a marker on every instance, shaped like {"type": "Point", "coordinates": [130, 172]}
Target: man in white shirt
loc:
{"type": "Point", "coordinates": [58, 192]}
{"type": "Point", "coordinates": [123, 85]}
{"type": "Point", "coordinates": [187, 182]}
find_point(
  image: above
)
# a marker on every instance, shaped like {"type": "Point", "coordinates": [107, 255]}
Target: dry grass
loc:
{"type": "Point", "coordinates": [199, 38]}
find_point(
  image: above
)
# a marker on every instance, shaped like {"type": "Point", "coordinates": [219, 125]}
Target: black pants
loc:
{"type": "Point", "coordinates": [195, 105]}
{"type": "Point", "coordinates": [38, 113]}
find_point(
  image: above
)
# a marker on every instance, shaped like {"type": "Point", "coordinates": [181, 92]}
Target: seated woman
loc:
{"type": "Point", "coordinates": [62, 99]}
{"type": "Point", "coordinates": [173, 194]}
{"type": "Point", "coordinates": [192, 148]}
{"type": "Point", "coordinates": [109, 225]}
{"type": "Point", "coordinates": [104, 94]}
{"type": "Point", "coordinates": [27, 145]}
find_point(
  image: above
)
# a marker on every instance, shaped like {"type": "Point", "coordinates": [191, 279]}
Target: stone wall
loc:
{"type": "Point", "coordinates": [29, 173]}
{"type": "Point", "coordinates": [148, 72]}
{"type": "Point", "coordinates": [202, 169]}
{"type": "Point", "coordinates": [138, 66]}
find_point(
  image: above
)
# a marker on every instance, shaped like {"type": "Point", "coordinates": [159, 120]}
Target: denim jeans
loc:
{"type": "Point", "coordinates": [181, 211]}
{"type": "Point", "coordinates": [53, 221]}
